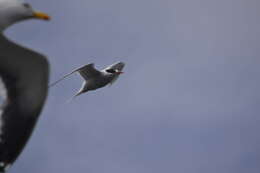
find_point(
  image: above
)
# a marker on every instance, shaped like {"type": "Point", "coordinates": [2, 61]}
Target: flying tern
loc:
{"type": "Point", "coordinates": [93, 78]}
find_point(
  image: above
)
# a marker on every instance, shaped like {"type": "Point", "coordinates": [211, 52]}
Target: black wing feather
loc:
{"type": "Point", "coordinates": [19, 67]}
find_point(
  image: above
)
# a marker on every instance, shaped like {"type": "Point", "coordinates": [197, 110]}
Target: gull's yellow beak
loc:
{"type": "Point", "coordinates": [41, 15]}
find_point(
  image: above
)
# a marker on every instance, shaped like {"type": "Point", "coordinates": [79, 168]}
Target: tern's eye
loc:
{"type": "Point", "coordinates": [27, 5]}
{"type": "Point", "coordinates": [111, 71]}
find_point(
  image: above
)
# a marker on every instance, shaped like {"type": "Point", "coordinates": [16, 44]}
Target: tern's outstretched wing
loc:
{"type": "Point", "coordinates": [25, 76]}
{"type": "Point", "coordinates": [116, 66]}
{"type": "Point", "coordinates": [87, 72]}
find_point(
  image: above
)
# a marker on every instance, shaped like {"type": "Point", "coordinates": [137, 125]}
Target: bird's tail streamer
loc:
{"type": "Point", "coordinates": [73, 97]}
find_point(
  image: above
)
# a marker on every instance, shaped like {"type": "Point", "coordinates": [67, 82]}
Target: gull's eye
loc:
{"type": "Point", "coordinates": [27, 5]}
{"type": "Point", "coordinates": [111, 71]}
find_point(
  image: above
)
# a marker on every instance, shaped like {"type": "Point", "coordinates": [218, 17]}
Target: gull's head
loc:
{"type": "Point", "coordinates": [12, 11]}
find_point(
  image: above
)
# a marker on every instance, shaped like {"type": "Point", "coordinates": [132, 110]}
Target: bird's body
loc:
{"type": "Point", "coordinates": [25, 76]}
{"type": "Point", "coordinates": [98, 82]}
{"type": "Point", "coordinates": [94, 79]}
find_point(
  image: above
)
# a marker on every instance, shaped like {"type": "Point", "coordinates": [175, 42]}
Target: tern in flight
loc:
{"type": "Point", "coordinates": [93, 78]}
{"type": "Point", "coordinates": [24, 77]}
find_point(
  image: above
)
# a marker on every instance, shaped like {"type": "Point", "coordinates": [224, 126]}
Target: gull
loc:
{"type": "Point", "coordinates": [24, 76]}
{"type": "Point", "coordinates": [93, 78]}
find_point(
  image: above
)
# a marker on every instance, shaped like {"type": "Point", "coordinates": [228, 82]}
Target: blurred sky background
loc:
{"type": "Point", "coordinates": [188, 101]}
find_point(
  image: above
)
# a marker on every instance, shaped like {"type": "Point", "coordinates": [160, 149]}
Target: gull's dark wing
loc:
{"type": "Point", "coordinates": [87, 72]}
{"type": "Point", "coordinates": [25, 76]}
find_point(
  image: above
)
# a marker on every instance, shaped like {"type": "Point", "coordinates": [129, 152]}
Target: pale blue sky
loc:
{"type": "Point", "coordinates": [187, 103]}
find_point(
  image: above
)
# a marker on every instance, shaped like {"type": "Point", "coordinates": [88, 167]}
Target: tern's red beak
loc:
{"type": "Point", "coordinates": [119, 72]}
